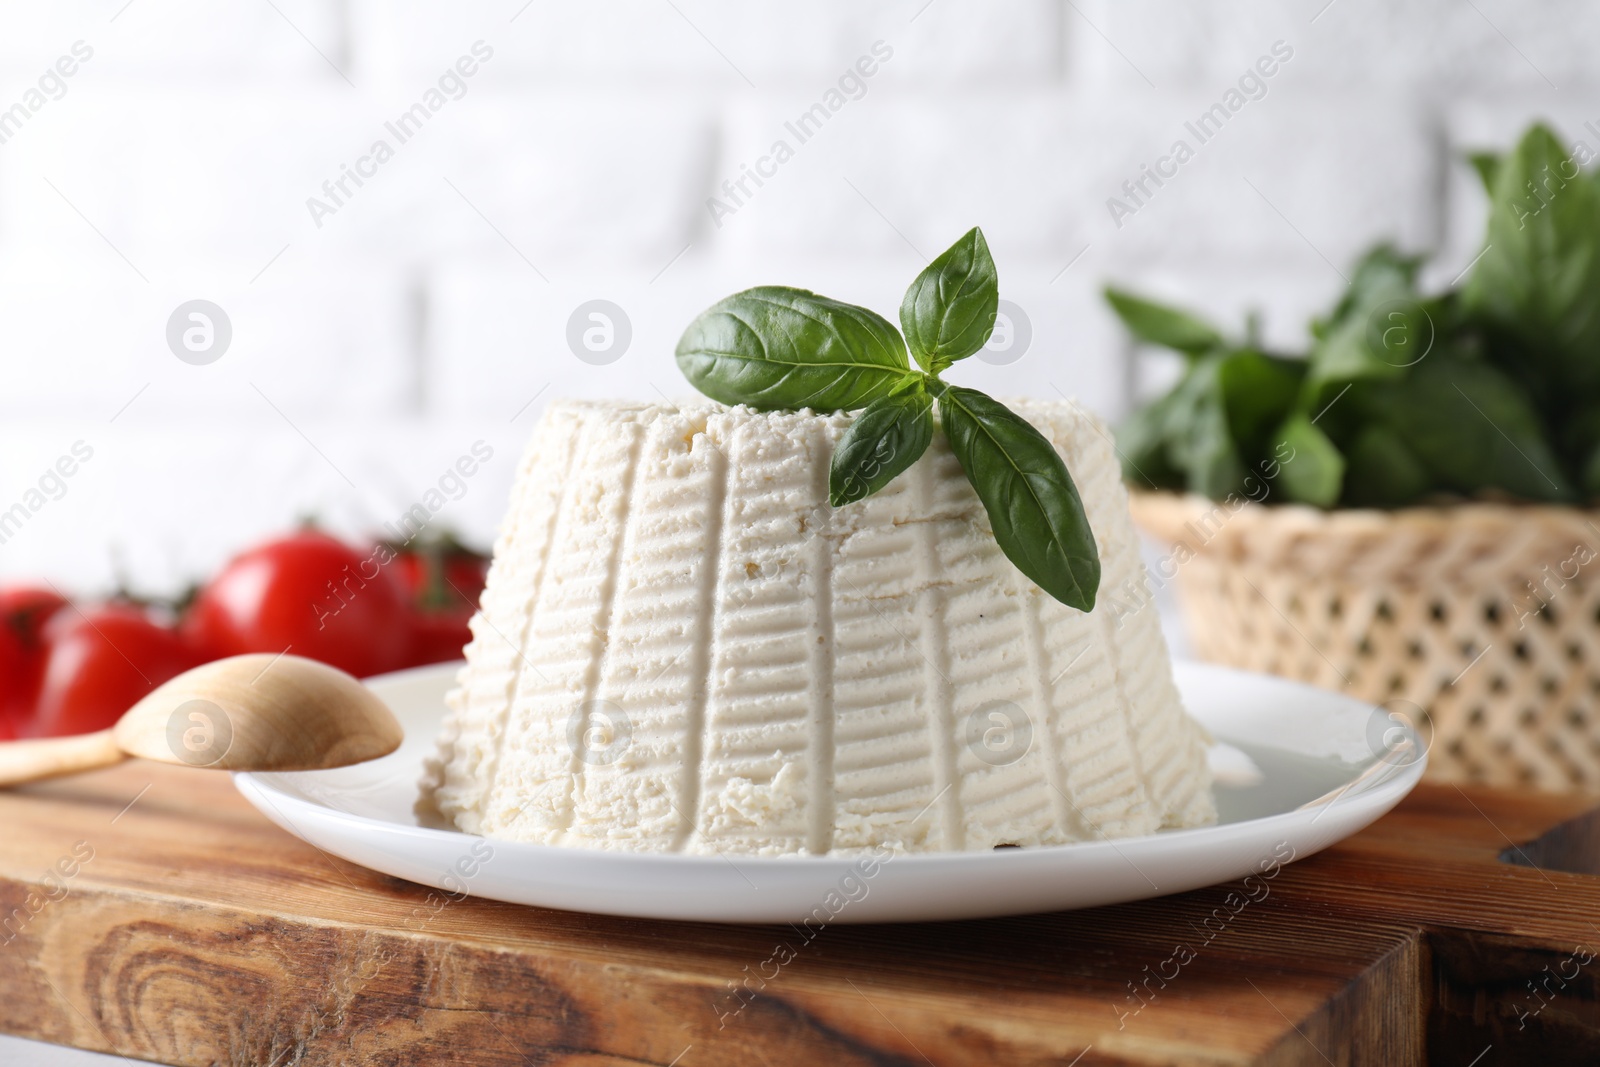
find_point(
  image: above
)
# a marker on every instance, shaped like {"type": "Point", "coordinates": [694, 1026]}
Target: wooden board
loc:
{"type": "Point", "coordinates": [149, 912]}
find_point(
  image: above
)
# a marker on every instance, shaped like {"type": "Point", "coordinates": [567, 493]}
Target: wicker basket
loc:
{"type": "Point", "coordinates": [1483, 620]}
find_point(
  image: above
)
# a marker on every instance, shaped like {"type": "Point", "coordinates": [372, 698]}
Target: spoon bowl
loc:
{"type": "Point", "coordinates": [260, 713]}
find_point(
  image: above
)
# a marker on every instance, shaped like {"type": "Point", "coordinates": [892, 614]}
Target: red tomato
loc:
{"type": "Point", "coordinates": [465, 575]}
{"type": "Point", "coordinates": [310, 594]}
{"type": "Point", "coordinates": [410, 570]}
{"type": "Point", "coordinates": [24, 611]}
{"type": "Point", "coordinates": [27, 608]}
{"type": "Point", "coordinates": [438, 637]}
{"type": "Point", "coordinates": [18, 683]}
{"type": "Point", "coordinates": [440, 575]}
{"type": "Point", "coordinates": [444, 580]}
{"type": "Point", "coordinates": [99, 664]}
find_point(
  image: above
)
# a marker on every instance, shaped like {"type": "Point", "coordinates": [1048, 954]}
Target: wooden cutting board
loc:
{"type": "Point", "coordinates": [148, 911]}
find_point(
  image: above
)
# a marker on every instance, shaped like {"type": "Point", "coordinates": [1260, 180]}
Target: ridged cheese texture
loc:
{"type": "Point", "coordinates": [683, 648]}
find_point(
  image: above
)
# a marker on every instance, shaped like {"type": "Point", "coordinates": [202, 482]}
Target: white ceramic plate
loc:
{"type": "Point", "coordinates": [1298, 769]}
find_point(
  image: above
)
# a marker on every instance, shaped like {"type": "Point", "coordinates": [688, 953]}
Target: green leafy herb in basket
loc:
{"type": "Point", "coordinates": [1488, 389]}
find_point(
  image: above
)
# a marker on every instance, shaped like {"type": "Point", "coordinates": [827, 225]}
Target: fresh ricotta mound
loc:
{"type": "Point", "coordinates": [684, 648]}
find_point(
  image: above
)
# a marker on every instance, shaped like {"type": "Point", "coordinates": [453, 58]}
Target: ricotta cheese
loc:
{"type": "Point", "coordinates": [683, 647]}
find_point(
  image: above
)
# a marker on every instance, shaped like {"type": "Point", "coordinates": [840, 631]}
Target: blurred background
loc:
{"type": "Point", "coordinates": [516, 162]}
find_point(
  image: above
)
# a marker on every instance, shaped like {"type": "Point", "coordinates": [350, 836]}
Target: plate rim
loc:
{"type": "Point", "coordinates": [1367, 790]}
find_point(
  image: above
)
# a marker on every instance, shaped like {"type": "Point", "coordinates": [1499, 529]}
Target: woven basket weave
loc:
{"type": "Point", "coordinates": [1482, 619]}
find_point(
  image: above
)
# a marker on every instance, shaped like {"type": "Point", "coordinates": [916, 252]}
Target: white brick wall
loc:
{"type": "Point", "coordinates": [576, 163]}
{"type": "Point", "coordinates": [189, 42]}
{"type": "Point", "coordinates": [83, 334]}
{"type": "Point", "coordinates": [711, 45]}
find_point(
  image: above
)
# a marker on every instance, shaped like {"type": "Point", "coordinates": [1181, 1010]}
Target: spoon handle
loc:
{"type": "Point", "coordinates": [29, 761]}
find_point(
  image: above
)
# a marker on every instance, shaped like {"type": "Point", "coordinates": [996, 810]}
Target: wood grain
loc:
{"type": "Point", "coordinates": [148, 911]}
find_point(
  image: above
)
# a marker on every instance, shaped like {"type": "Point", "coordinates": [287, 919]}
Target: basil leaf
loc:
{"type": "Point", "coordinates": [1313, 473]}
{"type": "Point", "coordinates": [1580, 442]}
{"type": "Point", "coordinates": [1200, 441]}
{"type": "Point", "coordinates": [889, 435]}
{"type": "Point", "coordinates": [1382, 272]}
{"type": "Point", "coordinates": [1382, 471]}
{"type": "Point", "coordinates": [1536, 286]}
{"type": "Point", "coordinates": [1473, 427]}
{"type": "Point", "coordinates": [1590, 474]}
{"type": "Point", "coordinates": [777, 348]}
{"type": "Point", "coordinates": [1033, 506]}
{"type": "Point", "coordinates": [1487, 164]}
{"type": "Point", "coordinates": [1161, 325]}
{"type": "Point", "coordinates": [1221, 415]}
{"type": "Point", "coordinates": [1258, 391]}
{"type": "Point", "coordinates": [1142, 444]}
{"type": "Point", "coordinates": [1379, 327]}
{"type": "Point", "coordinates": [1206, 451]}
{"type": "Point", "coordinates": [948, 313]}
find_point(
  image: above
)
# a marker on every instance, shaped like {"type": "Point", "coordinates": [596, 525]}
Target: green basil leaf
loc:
{"type": "Point", "coordinates": [1205, 450]}
{"type": "Point", "coordinates": [1222, 411]}
{"type": "Point", "coordinates": [1034, 508]}
{"type": "Point", "coordinates": [1200, 441]}
{"type": "Point", "coordinates": [1313, 472]}
{"type": "Point", "coordinates": [1143, 446]}
{"type": "Point", "coordinates": [1258, 391]}
{"type": "Point", "coordinates": [948, 313]}
{"type": "Point", "coordinates": [1383, 472]}
{"type": "Point", "coordinates": [1161, 325]}
{"type": "Point", "coordinates": [1487, 164]}
{"type": "Point", "coordinates": [1580, 442]}
{"type": "Point", "coordinates": [1380, 273]}
{"type": "Point", "coordinates": [1536, 286]}
{"type": "Point", "coordinates": [889, 435]}
{"type": "Point", "coordinates": [777, 348]}
{"type": "Point", "coordinates": [1590, 474]}
{"type": "Point", "coordinates": [1473, 427]}
{"type": "Point", "coordinates": [1379, 327]}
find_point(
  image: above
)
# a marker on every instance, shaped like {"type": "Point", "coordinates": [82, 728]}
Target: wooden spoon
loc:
{"type": "Point", "coordinates": [247, 713]}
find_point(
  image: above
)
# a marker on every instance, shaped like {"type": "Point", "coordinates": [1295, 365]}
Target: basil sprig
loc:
{"type": "Point", "coordinates": [776, 348]}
